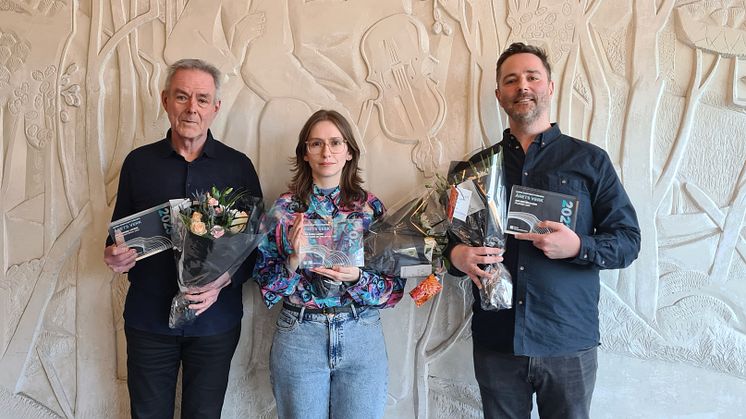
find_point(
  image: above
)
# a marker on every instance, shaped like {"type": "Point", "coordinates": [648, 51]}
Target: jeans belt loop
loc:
{"type": "Point", "coordinates": [300, 314]}
{"type": "Point", "coordinates": [354, 311]}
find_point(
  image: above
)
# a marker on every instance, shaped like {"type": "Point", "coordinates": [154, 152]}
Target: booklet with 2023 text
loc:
{"type": "Point", "coordinates": [148, 231]}
{"type": "Point", "coordinates": [529, 206]}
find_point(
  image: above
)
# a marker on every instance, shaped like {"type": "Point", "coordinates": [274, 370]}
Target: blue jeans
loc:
{"type": "Point", "coordinates": [563, 384]}
{"type": "Point", "coordinates": [329, 366]}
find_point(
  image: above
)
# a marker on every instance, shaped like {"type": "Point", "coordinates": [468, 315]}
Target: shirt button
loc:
{"type": "Point", "coordinates": [525, 173]}
{"type": "Point", "coordinates": [603, 262]}
{"type": "Point", "coordinates": [520, 302]}
{"type": "Point", "coordinates": [564, 181]}
{"type": "Point", "coordinates": [585, 256]}
{"type": "Point", "coordinates": [520, 268]}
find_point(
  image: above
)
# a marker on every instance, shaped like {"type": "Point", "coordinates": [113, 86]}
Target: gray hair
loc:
{"type": "Point", "coordinates": [194, 64]}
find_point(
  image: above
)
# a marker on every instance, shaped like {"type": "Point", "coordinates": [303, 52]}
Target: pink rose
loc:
{"type": "Point", "coordinates": [212, 202]}
{"type": "Point", "coordinates": [217, 232]}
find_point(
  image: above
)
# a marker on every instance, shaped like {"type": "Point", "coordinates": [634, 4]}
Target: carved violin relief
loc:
{"type": "Point", "coordinates": [410, 105]}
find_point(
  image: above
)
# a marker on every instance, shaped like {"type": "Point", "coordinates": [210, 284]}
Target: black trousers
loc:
{"type": "Point", "coordinates": [153, 362]}
{"type": "Point", "coordinates": [563, 384]}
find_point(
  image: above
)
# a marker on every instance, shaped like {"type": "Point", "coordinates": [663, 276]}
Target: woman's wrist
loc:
{"type": "Point", "coordinates": [292, 262]}
{"type": "Point", "coordinates": [359, 275]}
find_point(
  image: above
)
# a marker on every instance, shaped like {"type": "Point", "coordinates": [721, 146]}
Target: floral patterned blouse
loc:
{"type": "Point", "coordinates": [302, 287]}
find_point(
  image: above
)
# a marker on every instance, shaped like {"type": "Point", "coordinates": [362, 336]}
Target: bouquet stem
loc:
{"type": "Point", "coordinates": [497, 289]}
{"type": "Point", "coordinates": [181, 315]}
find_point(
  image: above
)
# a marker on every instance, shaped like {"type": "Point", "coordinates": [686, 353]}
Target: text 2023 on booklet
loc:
{"type": "Point", "coordinates": [148, 231]}
{"type": "Point", "coordinates": [528, 206]}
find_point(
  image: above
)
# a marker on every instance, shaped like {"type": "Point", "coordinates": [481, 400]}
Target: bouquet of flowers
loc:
{"type": "Point", "coordinates": [408, 241]}
{"type": "Point", "coordinates": [213, 234]}
{"type": "Point", "coordinates": [477, 214]}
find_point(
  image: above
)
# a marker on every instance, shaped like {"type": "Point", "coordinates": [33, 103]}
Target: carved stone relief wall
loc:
{"type": "Point", "coordinates": [659, 84]}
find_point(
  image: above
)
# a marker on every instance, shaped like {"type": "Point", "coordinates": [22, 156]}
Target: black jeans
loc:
{"type": "Point", "coordinates": [563, 384]}
{"type": "Point", "coordinates": [153, 365]}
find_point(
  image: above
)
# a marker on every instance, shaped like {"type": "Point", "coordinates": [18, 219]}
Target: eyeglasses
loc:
{"type": "Point", "coordinates": [316, 146]}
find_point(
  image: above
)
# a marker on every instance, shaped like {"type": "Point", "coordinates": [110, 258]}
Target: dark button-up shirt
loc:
{"type": "Point", "coordinates": [555, 301]}
{"type": "Point", "coordinates": [151, 175]}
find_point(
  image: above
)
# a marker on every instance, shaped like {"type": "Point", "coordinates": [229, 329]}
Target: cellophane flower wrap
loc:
{"type": "Point", "coordinates": [213, 233]}
{"type": "Point", "coordinates": [409, 239]}
{"type": "Point", "coordinates": [477, 211]}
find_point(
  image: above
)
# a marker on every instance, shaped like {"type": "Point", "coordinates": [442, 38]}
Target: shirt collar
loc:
{"type": "Point", "coordinates": [209, 150]}
{"type": "Point", "coordinates": [317, 192]}
{"type": "Point", "coordinates": [543, 139]}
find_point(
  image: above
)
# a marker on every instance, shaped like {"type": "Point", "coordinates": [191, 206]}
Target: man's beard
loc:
{"type": "Point", "coordinates": [531, 115]}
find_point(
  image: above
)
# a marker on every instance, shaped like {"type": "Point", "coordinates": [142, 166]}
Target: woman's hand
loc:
{"type": "Point", "coordinates": [340, 273]}
{"type": "Point", "coordinates": [297, 238]}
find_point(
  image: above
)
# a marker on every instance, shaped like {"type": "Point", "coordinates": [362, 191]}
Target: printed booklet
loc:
{"type": "Point", "coordinates": [332, 243]}
{"type": "Point", "coordinates": [528, 206]}
{"type": "Point", "coordinates": [148, 231]}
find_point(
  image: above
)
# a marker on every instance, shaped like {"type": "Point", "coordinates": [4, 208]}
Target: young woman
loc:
{"type": "Point", "coordinates": [328, 356]}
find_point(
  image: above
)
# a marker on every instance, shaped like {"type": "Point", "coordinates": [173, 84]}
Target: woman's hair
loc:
{"type": "Point", "coordinates": [350, 184]}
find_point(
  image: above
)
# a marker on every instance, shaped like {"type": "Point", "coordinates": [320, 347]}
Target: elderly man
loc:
{"type": "Point", "coordinates": [546, 344]}
{"type": "Point", "coordinates": [189, 160]}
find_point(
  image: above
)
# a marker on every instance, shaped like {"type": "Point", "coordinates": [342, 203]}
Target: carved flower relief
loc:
{"type": "Point", "coordinates": [20, 98]}
{"type": "Point", "coordinates": [41, 8]}
{"type": "Point", "coordinates": [69, 72]}
{"type": "Point", "coordinates": [15, 50]}
{"type": "Point", "coordinates": [36, 136]}
{"type": "Point", "coordinates": [70, 92]}
{"type": "Point", "coordinates": [13, 54]}
{"type": "Point", "coordinates": [72, 95]}
{"type": "Point", "coordinates": [39, 75]}
{"type": "Point", "coordinates": [38, 125]}
{"type": "Point", "coordinates": [440, 25]}
{"type": "Point", "coordinates": [44, 100]}
{"type": "Point", "coordinates": [552, 25]}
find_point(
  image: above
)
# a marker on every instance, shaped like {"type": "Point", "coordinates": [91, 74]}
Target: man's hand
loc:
{"type": "Point", "coordinates": [340, 273]}
{"type": "Point", "coordinates": [466, 259]}
{"type": "Point", "coordinates": [561, 243]}
{"type": "Point", "coordinates": [204, 297]}
{"type": "Point", "coordinates": [119, 259]}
